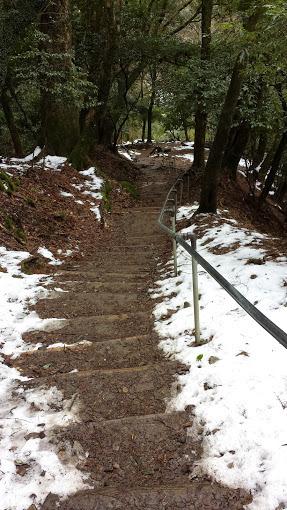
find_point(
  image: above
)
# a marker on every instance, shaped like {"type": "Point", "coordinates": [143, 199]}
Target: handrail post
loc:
{"type": "Point", "coordinates": [195, 293]}
{"type": "Point", "coordinates": [173, 226]}
{"type": "Point", "coordinates": [250, 309]}
{"type": "Point", "coordinates": [195, 289]}
{"type": "Point", "coordinates": [174, 243]}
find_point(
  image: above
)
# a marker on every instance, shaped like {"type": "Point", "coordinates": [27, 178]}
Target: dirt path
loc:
{"type": "Point", "coordinates": [139, 457]}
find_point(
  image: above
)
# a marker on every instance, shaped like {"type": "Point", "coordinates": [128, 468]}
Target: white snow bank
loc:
{"type": "Point", "coordinates": [128, 153]}
{"type": "Point", "coordinates": [47, 254]}
{"type": "Point", "coordinates": [53, 162]}
{"type": "Point", "coordinates": [21, 165]}
{"type": "Point", "coordinates": [92, 188]}
{"type": "Point", "coordinates": [30, 464]}
{"type": "Point", "coordinates": [238, 381]}
{"type": "Point", "coordinates": [28, 158]}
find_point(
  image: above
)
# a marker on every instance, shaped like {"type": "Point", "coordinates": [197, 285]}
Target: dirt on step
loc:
{"type": "Point", "coordinates": [106, 361]}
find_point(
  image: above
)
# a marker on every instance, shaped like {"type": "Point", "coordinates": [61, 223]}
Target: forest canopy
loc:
{"type": "Point", "coordinates": [76, 75]}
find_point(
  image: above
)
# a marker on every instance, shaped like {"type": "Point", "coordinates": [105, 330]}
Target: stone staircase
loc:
{"type": "Point", "coordinates": [139, 456]}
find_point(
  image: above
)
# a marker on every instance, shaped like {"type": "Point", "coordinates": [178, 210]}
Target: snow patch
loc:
{"type": "Point", "coordinates": [30, 463]}
{"type": "Point", "coordinates": [237, 381]}
{"type": "Point", "coordinates": [47, 254]}
{"type": "Point", "coordinates": [92, 188]}
{"type": "Point", "coordinates": [53, 162]}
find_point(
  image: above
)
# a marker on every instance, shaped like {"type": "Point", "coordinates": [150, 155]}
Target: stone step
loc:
{"type": "Point", "coordinates": [93, 275]}
{"type": "Point", "coordinates": [70, 304]}
{"type": "Point", "coordinates": [124, 248]}
{"type": "Point", "coordinates": [153, 211]}
{"type": "Point", "coordinates": [118, 353]}
{"type": "Point", "coordinates": [137, 450]}
{"type": "Point", "coordinates": [183, 495]}
{"type": "Point", "coordinates": [94, 328]}
{"type": "Point", "coordinates": [119, 266]}
{"type": "Point", "coordinates": [144, 237]}
{"type": "Point", "coordinates": [116, 393]}
{"type": "Point", "coordinates": [112, 286]}
{"type": "Point", "coordinates": [127, 256]}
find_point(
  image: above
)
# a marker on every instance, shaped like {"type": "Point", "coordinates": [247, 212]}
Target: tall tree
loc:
{"type": "Point", "coordinates": [153, 75]}
{"type": "Point", "coordinates": [278, 155]}
{"type": "Point", "coordinates": [59, 112]}
{"type": "Point", "coordinates": [201, 112]}
{"type": "Point", "coordinates": [208, 198]}
{"type": "Point", "coordinates": [251, 13]}
{"type": "Point", "coordinates": [5, 102]}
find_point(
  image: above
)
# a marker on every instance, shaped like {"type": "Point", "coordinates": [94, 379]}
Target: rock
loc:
{"type": "Point", "coordinates": [213, 359]}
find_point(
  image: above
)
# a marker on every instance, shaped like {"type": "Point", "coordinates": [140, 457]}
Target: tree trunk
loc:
{"type": "Point", "coordinates": [201, 114]}
{"type": "Point", "coordinates": [209, 191]}
{"type": "Point", "coordinates": [107, 29]}
{"type": "Point", "coordinates": [98, 127]}
{"type": "Point", "coordinates": [235, 150]}
{"type": "Point", "coordinates": [60, 115]}
{"type": "Point", "coordinates": [208, 198]}
{"type": "Point", "coordinates": [274, 167]}
{"type": "Point", "coordinates": [143, 129]}
{"type": "Point", "coordinates": [151, 105]}
{"type": "Point", "coordinates": [9, 117]}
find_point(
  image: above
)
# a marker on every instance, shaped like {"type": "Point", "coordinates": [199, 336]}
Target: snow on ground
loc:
{"type": "Point", "coordinates": [53, 162]}
{"type": "Point", "coordinates": [184, 146]}
{"type": "Point", "coordinates": [30, 467]}
{"type": "Point", "coordinates": [128, 153]}
{"type": "Point", "coordinates": [28, 158]}
{"type": "Point", "coordinates": [189, 157]}
{"type": "Point", "coordinates": [238, 380]}
{"type": "Point", "coordinates": [47, 254]}
{"type": "Point", "coordinates": [65, 194]}
{"type": "Point", "coordinates": [92, 188]}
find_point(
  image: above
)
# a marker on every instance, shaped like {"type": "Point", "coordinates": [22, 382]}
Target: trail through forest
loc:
{"type": "Point", "coordinates": [131, 452]}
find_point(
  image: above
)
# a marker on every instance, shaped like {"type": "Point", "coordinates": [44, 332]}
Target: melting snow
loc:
{"type": "Point", "coordinates": [53, 162]}
{"type": "Point", "coordinates": [92, 188]}
{"type": "Point", "coordinates": [47, 254]}
{"type": "Point", "coordinates": [238, 381]}
{"type": "Point", "coordinates": [30, 467]}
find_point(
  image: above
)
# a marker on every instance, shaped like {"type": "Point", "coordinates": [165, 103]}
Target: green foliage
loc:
{"type": "Point", "coordinates": [15, 229]}
{"type": "Point", "coordinates": [8, 184]}
{"type": "Point", "coordinates": [131, 188]}
{"type": "Point", "coordinates": [106, 193]}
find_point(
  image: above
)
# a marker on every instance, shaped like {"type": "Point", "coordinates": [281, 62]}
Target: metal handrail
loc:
{"type": "Point", "coordinates": [246, 305]}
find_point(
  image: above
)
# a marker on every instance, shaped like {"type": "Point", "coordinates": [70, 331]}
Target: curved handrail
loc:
{"type": "Point", "coordinates": [258, 316]}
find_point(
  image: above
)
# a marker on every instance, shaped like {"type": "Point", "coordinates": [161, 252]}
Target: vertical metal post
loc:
{"type": "Point", "coordinates": [174, 244]}
{"type": "Point", "coordinates": [173, 226]}
{"type": "Point", "coordinates": [195, 294]}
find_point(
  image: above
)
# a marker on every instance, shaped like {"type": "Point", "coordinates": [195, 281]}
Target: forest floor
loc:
{"type": "Point", "coordinates": [86, 422]}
